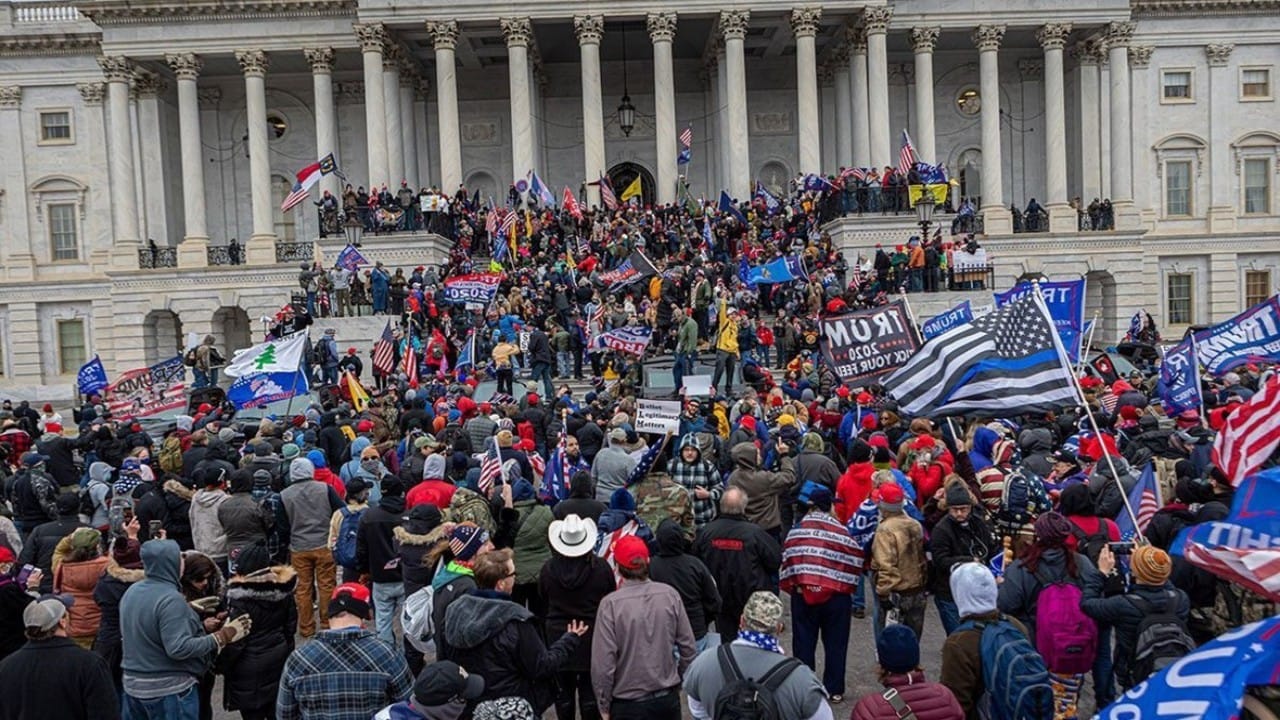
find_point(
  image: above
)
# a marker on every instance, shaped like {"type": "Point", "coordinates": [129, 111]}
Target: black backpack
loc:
{"type": "Point", "coordinates": [1162, 637]}
{"type": "Point", "coordinates": [744, 698]}
{"type": "Point", "coordinates": [1091, 545]}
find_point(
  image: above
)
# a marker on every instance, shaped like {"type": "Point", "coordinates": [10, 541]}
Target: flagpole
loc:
{"type": "Point", "coordinates": [1084, 351]}
{"type": "Point", "coordinates": [1195, 363]}
{"type": "Point", "coordinates": [910, 313]}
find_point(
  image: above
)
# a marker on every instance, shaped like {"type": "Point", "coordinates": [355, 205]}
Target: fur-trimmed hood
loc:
{"type": "Point", "coordinates": [177, 488]}
{"type": "Point", "coordinates": [273, 584]}
{"type": "Point", "coordinates": [404, 537]}
{"type": "Point", "coordinates": [123, 574]}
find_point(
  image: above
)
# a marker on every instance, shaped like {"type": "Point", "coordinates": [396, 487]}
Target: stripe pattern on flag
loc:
{"type": "Point", "coordinates": [384, 351]}
{"type": "Point", "coordinates": [607, 197]}
{"type": "Point", "coordinates": [906, 156]}
{"type": "Point", "coordinates": [490, 467]}
{"type": "Point", "coordinates": [1250, 434]}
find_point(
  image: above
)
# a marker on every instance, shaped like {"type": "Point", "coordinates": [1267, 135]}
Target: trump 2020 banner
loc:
{"type": "Point", "coordinates": [1253, 335]}
{"type": "Point", "coordinates": [149, 390]}
{"type": "Point", "coordinates": [955, 317]}
{"type": "Point", "coordinates": [473, 288]}
{"type": "Point", "coordinates": [866, 345]}
{"type": "Point", "coordinates": [1065, 300]}
{"type": "Point", "coordinates": [1180, 379]}
{"type": "Point", "coordinates": [631, 340]}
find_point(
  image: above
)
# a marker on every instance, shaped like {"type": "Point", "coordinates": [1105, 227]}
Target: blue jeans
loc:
{"type": "Point", "coordinates": [543, 371]}
{"type": "Point", "coordinates": [564, 363]}
{"type": "Point", "coordinates": [683, 366]}
{"type": "Point", "coordinates": [831, 620]}
{"type": "Point", "coordinates": [949, 613]}
{"type": "Point", "coordinates": [388, 600]}
{"type": "Point", "coordinates": [1104, 676]}
{"type": "Point", "coordinates": [202, 378]}
{"type": "Point", "coordinates": [181, 706]}
{"type": "Point", "coordinates": [330, 374]}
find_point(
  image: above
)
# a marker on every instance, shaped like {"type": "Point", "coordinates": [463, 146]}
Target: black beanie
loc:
{"type": "Point", "coordinates": [859, 452]}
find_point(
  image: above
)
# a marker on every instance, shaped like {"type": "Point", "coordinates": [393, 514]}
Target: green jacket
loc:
{"type": "Point", "coordinates": [532, 548]}
{"type": "Point", "coordinates": [687, 338]}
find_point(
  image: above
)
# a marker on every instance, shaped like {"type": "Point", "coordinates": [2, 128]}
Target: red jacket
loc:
{"type": "Point", "coordinates": [928, 700]}
{"type": "Point", "coordinates": [852, 488]}
{"type": "Point", "coordinates": [430, 492]}
{"type": "Point", "coordinates": [326, 476]}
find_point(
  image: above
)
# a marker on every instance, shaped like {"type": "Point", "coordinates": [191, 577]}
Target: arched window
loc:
{"type": "Point", "coordinates": [60, 205]}
{"type": "Point", "coordinates": [1179, 162]}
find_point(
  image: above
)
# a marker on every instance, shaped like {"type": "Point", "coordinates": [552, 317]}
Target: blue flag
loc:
{"type": "Point", "coordinates": [707, 235]}
{"type": "Point", "coordinates": [466, 356]}
{"type": "Point", "coordinates": [685, 157]}
{"type": "Point", "coordinates": [539, 189]}
{"type": "Point", "coordinates": [351, 259]}
{"type": "Point", "coordinates": [771, 203]}
{"type": "Point", "coordinates": [258, 389]}
{"type": "Point", "coordinates": [774, 271]}
{"type": "Point", "coordinates": [726, 206]}
{"type": "Point", "coordinates": [817, 183]}
{"type": "Point", "coordinates": [744, 270]}
{"type": "Point", "coordinates": [1209, 683]}
{"type": "Point", "coordinates": [1242, 547]}
{"type": "Point", "coordinates": [1144, 500]}
{"type": "Point", "coordinates": [1253, 335]}
{"type": "Point", "coordinates": [1180, 379]}
{"type": "Point", "coordinates": [92, 377]}
{"type": "Point", "coordinates": [1065, 300]}
{"type": "Point", "coordinates": [955, 317]}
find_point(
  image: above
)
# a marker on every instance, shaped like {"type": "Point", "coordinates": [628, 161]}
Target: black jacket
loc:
{"type": "Point", "coordinates": [590, 439]}
{"type": "Point", "coordinates": [62, 458]}
{"type": "Point", "coordinates": [106, 595]}
{"type": "Point", "coordinates": [573, 589]}
{"type": "Point", "coordinates": [674, 566]}
{"type": "Point", "coordinates": [41, 543]}
{"type": "Point", "coordinates": [741, 556]}
{"type": "Point", "coordinates": [539, 348]}
{"type": "Point", "coordinates": [252, 667]}
{"type": "Point", "coordinates": [244, 521]}
{"type": "Point", "coordinates": [500, 640]}
{"type": "Point", "coordinates": [13, 600]}
{"type": "Point", "coordinates": [56, 679]}
{"type": "Point", "coordinates": [951, 543]}
{"type": "Point", "coordinates": [177, 502]}
{"type": "Point", "coordinates": [332, 441]}
{"type": "Point", "coordinates": [34, 493]}
{"type": "Point", "coordinates": [583, 507]}
{"type": "Point", "coordinates": [148, 505]}
{"type": "Point", "coordinates": [376, 553]}
{"type": "Point", "coordinates": [1120, 612]}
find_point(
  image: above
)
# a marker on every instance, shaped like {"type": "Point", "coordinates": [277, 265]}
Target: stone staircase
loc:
{"type": "Point", "coordinates": [358, 332]}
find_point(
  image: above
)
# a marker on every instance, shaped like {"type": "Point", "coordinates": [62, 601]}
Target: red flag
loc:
{"type": "Point", "coordinates": [1250, 434]}
{"type": "Point", "coordinates": [571, 204]}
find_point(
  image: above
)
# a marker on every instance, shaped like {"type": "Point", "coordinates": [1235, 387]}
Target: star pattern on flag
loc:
{"type": "Point", "coordinates": [1018, 328]}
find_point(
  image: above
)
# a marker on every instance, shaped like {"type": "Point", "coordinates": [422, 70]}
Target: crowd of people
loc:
{"type": "Point", "coordinates": [445, 552]}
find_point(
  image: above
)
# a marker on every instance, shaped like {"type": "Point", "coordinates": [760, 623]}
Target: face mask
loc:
{"type": "Point", "coordinates": [369, 465]}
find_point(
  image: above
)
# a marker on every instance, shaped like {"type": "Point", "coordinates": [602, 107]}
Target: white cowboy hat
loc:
{"type": "Point", "coordinates": [573, 536]}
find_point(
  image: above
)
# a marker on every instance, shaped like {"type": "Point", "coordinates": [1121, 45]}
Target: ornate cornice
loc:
{"type": "Point", "coordinates": [1089, 51]}
{"type": "Point", "coordinates": [1053, 36]}
{"type": "Point", "coordinates": [92, 93]}
{"type": "Point", "coordinates": [391, 57]}
{"type": "Point", "coordinates": [805, 21]}
{"type": "Point", "coordinates": [63, 44]}
{"type": "Point", "coordinates": [1219, 54]}
{"type": "Point", "coordinates": [518, 32]}
{"type": "Point", "coordinates": [588, 28]}
{"type": "Point", "coordinates": [1158, 8]}
{"type": "Point", "coordinates": [185, 66]}
{"type": "Point", "coordinates": [351, 92]}
{"type": "Point", "coordinates": [734, 23]}
{"type": "Point", "coordinates": [208, 98]}
{"type": "Point", "coordinates": [924, 39]}
{"type": "Point", "coordinates": [876, 19]}
{"type": "Point", "coordinates": [1140, 55]}
{"type": "Point", "coordinates": [10, 96]}
{"type": "Point", "coordinates": [133, 12]}
{"type": "Point", "coordinates": [444, 34]}
{"type": "Point", "coordinates": [116, 68]}
{"type": "Point", "coordinates": [371, 36]}
{"type": "Point", "coordinates": [253, 63]}
{"type": "Point", "coordinates": [661, 26]}
{"type": "Point", "coordinates": [840, 57]}
{"type": "Point", "coordinates": [319, 58]}
{"type": "Point", "coordinates": [988, 37]}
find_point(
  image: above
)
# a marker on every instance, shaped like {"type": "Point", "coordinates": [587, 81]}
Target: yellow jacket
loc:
{"type": "Point", "coordinates": [727, 331]}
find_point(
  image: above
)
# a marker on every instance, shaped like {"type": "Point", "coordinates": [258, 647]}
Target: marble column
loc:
{"type": "Point", "coordinates": [444, 36]}
{"type": "Point", "coordinates": [876, 20]}
{"type": "Point", "coordinates": [135, 141]}
{"type": "Point", "coordinates": [193, 252]}
{"type": "Point", "coordinates": [1053, 38]}
{"type": "Point", "coordinates": [996, 217]}
{"type": "Point", "coordinates": [391, 96]}
{"type": "Point", "coordinates": [19, 261]}
{"type": "Point", "coordinates": [124, 200]}
{"type": "Point", "coordinates": [859, 94]}
{"type": "Point", "coordinates": [662, 31]}
{"type": "Point", "coordinates": [711, 123]}
{"type": "Point", "coordinates": [519, 33]}
{"type": "Point", "coordinates": [1090, 127]}
{"type": "Point", "coordinates": [724, 146]}
{"type": "Point", "coordinates": [408, 127]}
{"type": "Point", "coordinates": [321, 62]}
{"type": "Point", "coordinates": [1222, 84]}
{"type": "Point", "coordinates": [923, 42]}
{"type": "Point", "coordinates": [1118, 36]}
{"type": "Point", "coordinates": [260, 250]}
{"type": "Point", "coordinates": [422, 131]}
{"type": "Point", "coordinates": [804, 23]}
{"type": "Point", "coordinates": [372, 38]}
{"type": "Point", "coordinates": [844, 108]}
{"type": "Point", "coordinates": [590, 29]}
{"type": "Point", "coordinates": [1140, 85]}
{"type": "Point", "coordinates": [153, 189]}
{"type": "Point", "coordinates": [733, 26]}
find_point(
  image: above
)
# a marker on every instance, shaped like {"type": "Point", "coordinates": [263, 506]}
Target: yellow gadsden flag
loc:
{"type": "Point", "coordinates": [633, 190]}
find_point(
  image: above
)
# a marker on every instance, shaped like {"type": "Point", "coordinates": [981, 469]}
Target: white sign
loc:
{"type": "Point", "coordinates": [697, 385]}
{"type": "Point", "coordinates": [658, 416]}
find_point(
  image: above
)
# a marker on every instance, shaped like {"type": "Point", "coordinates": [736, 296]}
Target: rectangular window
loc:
{"type": "Point", "coordinates": [1257, 286]}
{"type": "Point", "coordinates": [1257, 186]}
{"type": "Point", "coordinates": [1176, 84]}
{"type": "Point", "coordinates": [71, 346]}
{"type": "Point", "coordinates": [1255, 83]}
{"type": "Point", "coordinates": [62, 232]}
{"type": "Point", "coordinates": [1177, 182]}
{"type": "Point", "coordinates": [1178, 298]}
{"type": "Point", "coordinates": [55, 127]}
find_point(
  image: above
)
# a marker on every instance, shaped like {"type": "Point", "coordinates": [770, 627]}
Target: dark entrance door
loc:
{"type": "Point", "coordinates": [623, 174]}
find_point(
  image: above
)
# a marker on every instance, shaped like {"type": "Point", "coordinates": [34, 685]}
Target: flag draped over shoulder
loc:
{"type": "Point", "coordinates": [1004, 363]}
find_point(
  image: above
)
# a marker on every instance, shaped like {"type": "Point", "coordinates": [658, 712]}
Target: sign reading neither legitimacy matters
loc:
{"type": "Point", "coordinates": [866, 345]}
{"type": "Point", "coordinates": [475, 287]}
{"type": "Point", "coordinates": [149, 390]}
{"type": "Point", "coordinates": [658, 416]}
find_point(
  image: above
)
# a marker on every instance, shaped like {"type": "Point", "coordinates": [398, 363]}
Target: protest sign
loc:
{"type": "Point", "coordinates": [475, 287]}
{"type": "Point", "coordinates": [149, 390]}
{"type": "Point", "coordinates": [866, 345]}
{"type": "Point", "coordinates": [1065, 300]}
{"type": "Point", "coordinates": [658, 416]}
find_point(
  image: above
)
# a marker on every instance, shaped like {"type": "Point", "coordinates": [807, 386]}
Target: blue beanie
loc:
{"type": "Point", "coordinates": [898, 649]}
{"type": "Point", "coordinates": [521, 490]}
{"type": "Point", "coordinates": [317, 458]}
{"type": "Point", "coordinates": [622, 500]}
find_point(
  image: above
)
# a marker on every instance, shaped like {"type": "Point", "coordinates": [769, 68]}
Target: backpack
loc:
{"type": "Point", "coordinates": [1091, 545]}
{"type": "Point", "coordinates": [170, 458]}
{"type": "Point", "coordinates": [1015, 675]}
{"type": "Point", "coordinates": [1065, 636]}
{"type": "Point", "coordinates": [344, 550]}
{"type": "Point", "coordinates": [1016, 497]}
{"type": "Point", "coordinates": [744, 698]}
{"type": "Point", "coordinates": [1161, 639]}
{"type": "Point", "coordinates": [419, 629]}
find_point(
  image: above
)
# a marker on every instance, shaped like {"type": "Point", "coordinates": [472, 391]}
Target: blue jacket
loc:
{"type": "Point", "coordinates": [162, 634]}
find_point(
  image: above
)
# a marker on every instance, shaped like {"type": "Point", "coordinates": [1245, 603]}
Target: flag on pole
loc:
{"type": "Point", "coordinates": [570, 203]}
{"type": "Point", "coordinates": [92, 377]}
{"type": "Point", "coordinates": [384, 351]}
{"type": "Point", "coordinates": [490, 467]}
{"type": "Point", "coordinates": [466, 356]}
{"type": "Point", "coordinates": [1145, 501]}
{"type": "Point", "coordinates": [634, 190]}
{"type": "Point", "coordinates": [726, 206]}
{"type": "Point", "coordinates": [273, 356]}
{"type": "Point", "coordinates": [607, 196]}
{"type": "Point", "coordinates": [906, 156]}
{"type": "Point", "coordinates": [410, 363]}
{"type": "Point", "coordinates": [307, 177]}
{"type": "Point", "coordinates": [540, 190]}
{"type": "Point", "coordinates": [1180, 378]}
{"type": "Point", "coordinates": [355, 391]}
{"type": "Point", "coordinates": [647, 461]}
{"type": "Point", "coordinates": [1250, 435]}
{"type": "Point", "coordinates": [351, 258]}
{"type": "Point", "coordinates": [258, 389]}
{"type": "Point", "coordinates": [1235, 548]}
{"type": "Point", "coordinates": [1005, 363]}
{"type": "Point", "coordinates": [707, 236]}
{"type": "Point", "coordinates": [686, 147]}
{"type": "Point", "coordinates": [686, 137]}
{"type": "Point", "coordinates": [771, 203]}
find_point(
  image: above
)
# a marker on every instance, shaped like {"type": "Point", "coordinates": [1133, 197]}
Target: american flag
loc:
{"type": "Point", "coordinates": [538, 465]}
{"type": "Point", "coordinates": [491, 222]}
{"type": "Point", "coordinates": [490, 467]}
{"type": "Point", "coordinates": [907, 156]}
{"type": "Point", "coordinates": [607, 196]}
{"type": "Point", "coordinates": [647, 461]}
{"type": "Point", "coordinates": [686, 137]}
{"type": "Point", "coordinates": [604, 545]}
{"type": "Point", "coordinates": [1144, 501]}
{"type": "Point", "coordinates": [296, 196]}
{"type": "Point", "coordinates": [410, 363]}
{"type": "Point", "coordinates": [384, 351]}
{"type": "Point", "coordinates": [1250, 434]}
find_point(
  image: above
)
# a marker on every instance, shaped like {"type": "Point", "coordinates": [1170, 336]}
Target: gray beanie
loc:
{"type": "Point", "coordinates": [958, 496]}
{"type": "Point", "coordinates": [301, 469]}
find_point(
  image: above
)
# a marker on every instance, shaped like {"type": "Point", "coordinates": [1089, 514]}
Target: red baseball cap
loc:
{"type": "Point", "coordinates": [630, 552]}
{"type": "Point", "coordinates": [890, 494]}
{"type": "Point", "coordinates": [6, 555]}
{"type": "Point", "coordinates": [351, 598]}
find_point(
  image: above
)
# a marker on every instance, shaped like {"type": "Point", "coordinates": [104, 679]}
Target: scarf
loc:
{"type": "Point", "coordinates": [764, 641]}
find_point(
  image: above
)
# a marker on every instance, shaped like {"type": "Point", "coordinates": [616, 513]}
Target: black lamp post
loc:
{"type": "Point", "coordinates": [354, 230]}
{"type": "Point", "coordinates": [626, 111]}
{"type": "Point", "coordinates": [924, 213]}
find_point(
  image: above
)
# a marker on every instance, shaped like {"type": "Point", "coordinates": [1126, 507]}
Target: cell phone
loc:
{"type": "Point", "coordinates": [153, 528]}
{"type": "Point", "coordinates": [1120, 548]}
{"type": "Point", "coordinates": [25, 574]}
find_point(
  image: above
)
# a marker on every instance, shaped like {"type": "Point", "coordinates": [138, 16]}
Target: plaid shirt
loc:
{"type": "Point", "coordinates": [700, 474]}
{"type": "Point", "coordinates": [342, 675]}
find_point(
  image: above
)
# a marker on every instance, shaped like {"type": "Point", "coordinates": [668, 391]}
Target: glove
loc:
{"type": "Point", "coordinates": [234, 631]}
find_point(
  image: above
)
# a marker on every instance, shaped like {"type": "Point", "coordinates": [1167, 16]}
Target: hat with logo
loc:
{"type": "Point", "coordinates": [350, 598]}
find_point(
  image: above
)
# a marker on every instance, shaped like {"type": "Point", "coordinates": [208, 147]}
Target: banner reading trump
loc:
{"type": "Point", "coordinates": [473, 288]}
{"type": "Point", "coordinates": [866, 345]}
{"type": "Point", "coordinates": [1251, 336]}
{"type": "Point", "coordinates": [149, 390]}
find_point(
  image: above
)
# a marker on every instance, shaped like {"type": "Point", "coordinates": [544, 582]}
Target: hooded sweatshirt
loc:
{"type": "Point", "coordinates": [763, 487]}
{"type": "Point", "coordinates": [573, 589]}
{"type": "Point", "coordinates": [677, 567]}
{"type": "Point", "coordinates": [100, 493]}
{"type": "Point", "coordinates": [164, 640]}
{"type": "Point", "coordinates": [206, 531]}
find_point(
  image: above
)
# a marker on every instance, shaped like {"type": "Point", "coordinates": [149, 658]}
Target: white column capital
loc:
{"type": "Point", "coordinates": [661, 26]}
{"type": "Point", "coordinates": [1089, 51]}
{"type": "Point", "coordinates": [147, 84]}
{"type": "Point", "coordinates": [185, 66]}
{"type": "Point", "coordinates": [209, 97]}
{"type": "Point", "coordinates": [391, 56]}
{"type": "Point", "coordinates": [319, 58]}
{"type": "Point", "coordinates": [876, 19]}
{"type": "Point", "coordinates": [857, 36]}
{"type": "Point", "coordinates": [1053, 36]}
{"type": "Point", "coordinates": [1118, 34]}
{"type": "Point", "coordinates": [588, 28]}
{"type": "Point", "coordinates": [444, 34]}
{"type": "Point", "coordinates": [91, 93]}
{"type": "Point", "coordinates": [734, 23]}
{"type": "Point", "coordinates": [372, 36]}
{"type": "Point", "coordinates": [517, 31]}
{"type": "Point", "coordinates": [116, 68]}
{"type": "Point", "coordinates": [1030, 69]}
{"type": "Point", "coordinates": [805, 21]}
{"type": "Point", "coordinates": [11, 96]}
{"type": "Point", "coordinates": [924, 39]}
{"type": "Point", "coordinates": [988, 37]}
{"type": "Point", "coordinates": [1140, 55]}
{"type": "Point", "coordinates": [253, 63]}
{"type": "Point", "coordinates": [1219, 54]}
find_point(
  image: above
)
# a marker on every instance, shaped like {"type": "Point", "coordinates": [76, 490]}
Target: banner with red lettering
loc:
{"type": "Point", "coordinates": [866, 345]}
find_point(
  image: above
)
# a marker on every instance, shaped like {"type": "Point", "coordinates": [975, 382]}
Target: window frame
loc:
{"type": "Point", "coordinates": [1270, 81]}
{"type": "Point", "coordinates": [1249, 274]}
{"type": "Point", "coordinates": [75, 229]}
{"type": "Point", "coordinates": [61, 350]}
{"type": "Point", "coordinates": [1190, 298]}
{"type": "Point", "coordinates": [1191, 86]}
{"type": "Point", "coordinates": [1269, 208]}
{"type": "Point", "coordinates": [1190, 188]}
{"type": "Point", "coordinates": [40, 126]}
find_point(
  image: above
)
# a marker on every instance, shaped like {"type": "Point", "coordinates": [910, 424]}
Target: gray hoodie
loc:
{"type": "Point", "coordinates": [162, 634]}
{"type": "Point", "coordinates": [100, 492]}
{"type": "Point", "coordinates": [207, 534]}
